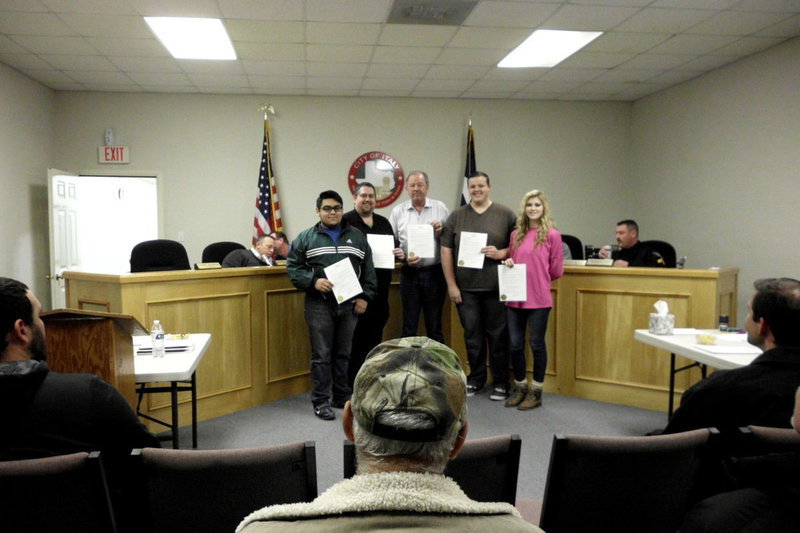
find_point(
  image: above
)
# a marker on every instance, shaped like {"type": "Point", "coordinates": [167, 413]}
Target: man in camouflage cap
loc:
{"type": "Point", "coordinates": [407, 418]}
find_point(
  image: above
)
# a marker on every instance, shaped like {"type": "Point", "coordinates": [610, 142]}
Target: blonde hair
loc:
{"type": "Point", "coordinates": [524, 223]}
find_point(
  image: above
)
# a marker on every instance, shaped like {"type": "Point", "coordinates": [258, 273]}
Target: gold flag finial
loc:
{"type": "Point", "coordinates": [267, 109]}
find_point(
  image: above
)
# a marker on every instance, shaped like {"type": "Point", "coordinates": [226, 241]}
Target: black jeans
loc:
{"type": "Point", "coordinates": [368, 334]}
{"type": "Point", "coordinates": [330, 330]}
{"type": "Point", "coordinates": [423, 290]}
{"type": "Point", "coordinates": [484, 319]}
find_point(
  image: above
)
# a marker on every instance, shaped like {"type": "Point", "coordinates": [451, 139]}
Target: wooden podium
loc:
{"type": "Point", "coordinates": [96, 343]}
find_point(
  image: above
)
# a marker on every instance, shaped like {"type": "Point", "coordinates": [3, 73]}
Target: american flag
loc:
{"type": "Point", "coordinates": [268, 208]}
{"type": "Point", "coordinates": [469, 166]}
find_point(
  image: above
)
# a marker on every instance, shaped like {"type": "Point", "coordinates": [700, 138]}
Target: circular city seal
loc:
{"type": "Point", "coordinates": [383, 171]}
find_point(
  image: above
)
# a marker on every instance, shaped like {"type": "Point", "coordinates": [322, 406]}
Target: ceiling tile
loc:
{"type": "Point", "coordinates": [70, 62]}
{"type": "Point", "coordinates": [707, 62]}
{"type": "Point", "coordinates": [656, 61]}
{"type": "Point", "coordinates": [341, 33]}
{"type": "Point", "coordinates": [696, 4]}
{"type": "Point", "coordinates": [654, 20]}
{"type": "Point", "coordinates": [490, 86]}
{"type": "Point", "coordinates": [184, 8]}
{"type": "Point", "coordinates": [129, 47]}
{"type": "Point", "coordinates": [572, 74]}
{"type": "Point", "coordinates": [25, 62]}
{"type": "Point", "coordinates": [595, 18]}
{"type": "Point", "coordinates": [405, 54]}
{"type": "Point", "coordinates": [271, 51]}
{"type": "Point", "coordinates": [748, 45]}
{"type": "Point", "coordinates": [145, 64]}
{"type": "Point", "coordinates": [96, 7]}
{"type": "Point", "coordinates": [283, 82]}
{"type": "Point", "coordinates": [348, 10]}
{"type": "Point", "coordinates": [339, 53]}
{"type": "Point", "coordinates": [90, 76]}
{"type": "Point", "coordinates": [595, 60]}
{"type": "Point", "coordinates": [470, 56]}
{"type": "Point", "coordinates": [407, 35]}
{"type": "Point", "coordinates": [406, 85]}
{"type": "Point", "coordinates": [262, 9]}
{"type": "Point", "coordinates": [510, 14]}
{"type": "Point", "coordinates": [444, 85]}
{"type": "Point", "coordinates": [322, 69]}
{"type": "Point", "coordinates": [49, 76]}
{"type": "Point", "coordinates": [619, 75]}
{"type": "Point", "coordinates": [693, 44]}
{"type": "Point", "coordinates": [214, 80]}
{"type": "Point", "coordinates": [455, 72]}
{"type": "Point", "coordinates": [274, 68]}
{"type": "Point", "coordinates": [265, 31]}
{"type": "Point", "coordinates": [736, 23]}
{"type": "Point", "coordinates": [7, 46]}
{"type": "Point", "coordinates": [198, 66]}
{"type": "Point", "coordinates": [387, 70]}
{"type": "Point", "coordinates": [333, 83]}
{"type": "Point", "coordinates": [784, 6]}
{"type": "Point", "coordinates": [14, 23]}
{"type": "Point", "coordinates": [54, 45]}
{"type": "Point", "coordinates": [528, 74]}
{"type": "Point", "coordinates": [788, 27]}
{"type": "Point", "coordinates": [506, 39]}
{"type": "Point", "coordinates": [23, 5]}
{"type": "Point", "coordinates": [634, 43]}
{"type": "Point", "coordinates": [90, 25]}
{"type": "Point", "coordinates": [160, 78]}
{"type": "Point", "coordinates": [388, 93]}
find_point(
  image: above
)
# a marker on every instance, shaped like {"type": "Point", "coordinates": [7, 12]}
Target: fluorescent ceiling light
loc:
{"type": "Point", "coordinates": [193, 38]}
{"type": "Point", "coordinates": [547, 48]}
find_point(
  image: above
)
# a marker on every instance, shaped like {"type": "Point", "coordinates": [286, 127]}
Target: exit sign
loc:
{"type": "Point", "coordinates": [113, 154]}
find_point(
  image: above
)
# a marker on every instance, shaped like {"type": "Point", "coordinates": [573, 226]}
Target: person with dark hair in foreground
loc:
{"type": "Point", "coordinates": [407, 418]}
{"type": "Point", "coordinates": [764, 393]}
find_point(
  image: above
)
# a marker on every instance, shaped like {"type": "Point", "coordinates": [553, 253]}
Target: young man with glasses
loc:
{"type": "Point", "coordinates": [330, 323]}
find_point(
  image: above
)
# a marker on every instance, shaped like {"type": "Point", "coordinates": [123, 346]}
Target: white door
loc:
{"type": "Point", "coordinates": [62, 196]}
{"type": "Point", "coordinates": [95, 221]}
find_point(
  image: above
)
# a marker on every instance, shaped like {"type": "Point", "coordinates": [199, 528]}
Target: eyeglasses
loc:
{"type": "Point", "coordinates": [329, 208]}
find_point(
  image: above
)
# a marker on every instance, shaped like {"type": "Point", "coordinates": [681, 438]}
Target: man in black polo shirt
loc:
{"type": "Point", "coordinates": [632, 252]}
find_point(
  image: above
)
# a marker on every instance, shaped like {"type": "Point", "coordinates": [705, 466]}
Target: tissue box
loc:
{"type": "Point", "coordinates": [661, 324]}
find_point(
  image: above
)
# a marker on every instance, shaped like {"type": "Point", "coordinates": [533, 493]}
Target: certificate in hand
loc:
{"type": "Point", "coordinates": [469, 249]}
{"type": "Point", "coordinates": [382, 246]}
{"type": "Point", "coordinates": [420, 241]}
{"type": "Point", "coordinates": [344, 279]}
{"type": "Point", "coordinates": [513, 287]}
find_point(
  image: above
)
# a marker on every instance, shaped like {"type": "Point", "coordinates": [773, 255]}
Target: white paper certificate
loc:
{"type": "Point", "coordinates": [420, 241]}
{"type": "Point", "coordinates": [469, 249]}
{"type": "Point", "coordinates": [344, 279]}
{"type": "Point", "coordinates": [382, 246]}
{"type": "Point", "coordinates": [512, 283]}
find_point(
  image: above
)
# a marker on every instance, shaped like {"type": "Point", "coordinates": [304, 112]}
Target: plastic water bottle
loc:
{"type": "Point", "coordinates": [157, 334]}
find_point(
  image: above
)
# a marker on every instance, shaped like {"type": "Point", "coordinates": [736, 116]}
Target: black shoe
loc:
{"type": "Point", "coordinates": [324, 411]}
{"type": "Point", "coordinates": [473, 389]}
{"type": "Point", "coordinates": [339, 404]}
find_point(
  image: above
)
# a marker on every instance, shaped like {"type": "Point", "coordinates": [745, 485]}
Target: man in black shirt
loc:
{"type": "Point", "coordinates": [369, 331]}
{"type": "Point", "coordinates": [632, 252]}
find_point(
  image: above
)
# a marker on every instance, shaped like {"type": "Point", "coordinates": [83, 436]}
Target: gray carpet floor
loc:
{"type": "Point", "coordinates": [292, 419]}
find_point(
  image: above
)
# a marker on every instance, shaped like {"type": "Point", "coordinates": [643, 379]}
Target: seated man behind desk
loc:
{"type": "Point", "coordinates": [632, 252]}
{"type": "Point", "coordinates": [407, 418]}
{"type": "Point", "coordinates": [281, 250]}
{"type": "Point", "coordinates": [258, 255]}
{"type": "Point", "coordinates": [761, 393]}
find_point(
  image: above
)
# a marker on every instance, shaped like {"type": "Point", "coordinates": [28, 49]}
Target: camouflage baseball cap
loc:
{"type": "Point", "coordinates": [411, 389]}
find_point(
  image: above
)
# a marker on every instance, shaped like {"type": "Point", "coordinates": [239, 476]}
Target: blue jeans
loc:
{"type": "Point", "coordinates": [536, 321]}
{"type": "Point", "coordinates": [330, 330]}
{"type": "Point", "coordinates": [483, 317]}
{"type": "Point", "coordinates": [423, 290]}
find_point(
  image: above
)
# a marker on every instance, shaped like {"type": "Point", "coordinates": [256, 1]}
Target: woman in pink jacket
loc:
{"type": "Point", "coordinates": [537, 244]}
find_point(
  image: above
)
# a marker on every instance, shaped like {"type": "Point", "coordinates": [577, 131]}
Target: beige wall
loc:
{"type": "Point", "coordinates": [208, 148]}
{"type": "Point", "coordinates": [716, 166]}
{"type": "Point", "coordinates": [26, 149]}
{"type": "Point", "coordinates": [710, 165]}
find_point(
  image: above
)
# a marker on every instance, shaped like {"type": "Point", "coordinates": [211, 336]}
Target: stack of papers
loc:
{"type": "Point", "coordinates": [169, 346]}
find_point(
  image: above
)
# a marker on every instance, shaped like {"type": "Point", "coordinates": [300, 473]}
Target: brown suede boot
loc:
{"type": "Point", "coordinates": [518, 395]}
{"type": "Point", "coordinates": [532, 400]}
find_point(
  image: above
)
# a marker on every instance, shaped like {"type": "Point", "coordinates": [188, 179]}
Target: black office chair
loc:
{"type": "Point", "coordinates": [575, 245]}
{"type": "Point", "coordinates": [158, 255]}
{"type": "Point", "coordinates": [216, 251]}
{"type": "Point", "coordinates": [628, 484]}
{"type": "Point", "coordinates": [485, 469]}
{"type": "Point", "coordinates": [208, 491]}
{"type": "Point", "coordinates": [63, 493]}
{"type": "Point", "coordinates": [666, 250]}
